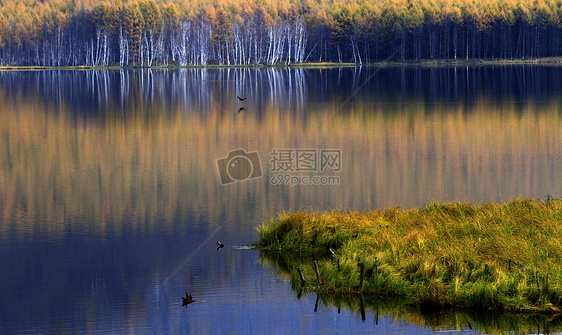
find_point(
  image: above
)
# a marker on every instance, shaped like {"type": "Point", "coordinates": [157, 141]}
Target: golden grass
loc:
{"type": "Point", "coordinates": [492, 256]}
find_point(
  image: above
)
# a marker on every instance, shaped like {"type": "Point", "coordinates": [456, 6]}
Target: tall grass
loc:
{"type": "Point", "coordinates": [504, 257]}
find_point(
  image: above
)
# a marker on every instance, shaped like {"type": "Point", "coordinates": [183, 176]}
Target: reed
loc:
{"type": "Point", "coordinates": [503, 257]}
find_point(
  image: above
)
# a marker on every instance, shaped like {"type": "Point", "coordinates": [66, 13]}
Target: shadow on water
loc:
{"type": "Point", "coordinates": [374, 309]}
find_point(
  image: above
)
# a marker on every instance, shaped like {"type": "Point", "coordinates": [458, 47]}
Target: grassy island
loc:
{"type": "Point", "coordinates": [500, 257]}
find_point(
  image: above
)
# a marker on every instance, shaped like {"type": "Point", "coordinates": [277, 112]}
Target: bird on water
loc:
{"type": "Point", "coordinates": [187, 299]}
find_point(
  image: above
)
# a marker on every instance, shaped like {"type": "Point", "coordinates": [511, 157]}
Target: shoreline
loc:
{"type": "Point", "coordinates": [552, 61]}
{"type": "Point", "coordinates": [496, 257]}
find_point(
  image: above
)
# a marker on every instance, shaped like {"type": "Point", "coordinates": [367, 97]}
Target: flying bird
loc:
{"type": "Point", "coordinates": [241, 99]}
{"type": "Point", "coordinates": [241, 109]}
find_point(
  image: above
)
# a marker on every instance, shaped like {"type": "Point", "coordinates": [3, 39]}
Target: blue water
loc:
{"type": "Point", "coordinates": [111, 202]}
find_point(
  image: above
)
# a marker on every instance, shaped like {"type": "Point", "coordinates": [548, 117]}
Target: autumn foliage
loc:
{"type": "Point", "coordinates": [198, 32]}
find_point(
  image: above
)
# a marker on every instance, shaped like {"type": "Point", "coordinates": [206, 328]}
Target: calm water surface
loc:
{"type": "Point", "coordinates": [111, 198]}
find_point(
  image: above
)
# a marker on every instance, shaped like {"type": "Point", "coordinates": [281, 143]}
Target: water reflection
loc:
{"type": "Point", "coordinates": [152, 93]}
{"type": "Point", "coordinates": [300, 91]}
{"type": "Point", "coordinates": [370, 308]}
{"type": "Point", "coordinates": [59, 166]}
{"type": "Point", "coordinates": [445, 321]}
{"type": "Point", "coordinates": [109, 180]}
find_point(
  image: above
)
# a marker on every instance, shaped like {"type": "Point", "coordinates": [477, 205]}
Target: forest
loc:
{"type": "Point", "coordinates": [246, 32]}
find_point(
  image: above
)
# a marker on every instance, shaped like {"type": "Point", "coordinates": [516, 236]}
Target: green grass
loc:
{"type": "Point", "coordinates": [502, 257]}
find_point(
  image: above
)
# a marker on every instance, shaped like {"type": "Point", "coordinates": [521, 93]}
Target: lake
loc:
{"type": "Point", "coordinates": [116, 185]}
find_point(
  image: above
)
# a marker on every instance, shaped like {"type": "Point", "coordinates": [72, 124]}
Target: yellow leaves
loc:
{"type": "Point", "coordinates": [222, 30]}
{"type": "Point", "coordinates": [238, 20]}
{"type": "Point", "coordinates": [21, 7]}
{"type": "Point", "coordinates": [415, 15]}
{"type": "Point", "coordinates": [209, 14]}
{"type": "Point", "coordinates": [103, 16]}
{"type": "Point", "coordinates": [171, 15]}
{"type": "Point", "coordinates": [363, 26]}
{"type": "Point", "coordinates": [393, 13]}
{"type": "Point", "coordinates": [3, 30]}
{"type": "Point", "coordinates": [151, 14]}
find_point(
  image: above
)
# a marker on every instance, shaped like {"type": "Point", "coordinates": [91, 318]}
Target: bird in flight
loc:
{"type": "Point", "coordinates": [241, 109]}
{"type": "Point", "coordinates": [241, 99]}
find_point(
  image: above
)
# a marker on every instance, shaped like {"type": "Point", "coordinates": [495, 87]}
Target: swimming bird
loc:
{"type": "Point", "coordinates": [241, 109]}
{"type": "Point", "coordinates": [187, 299]}
{"type": "Point", "coordinates": [241, 99]}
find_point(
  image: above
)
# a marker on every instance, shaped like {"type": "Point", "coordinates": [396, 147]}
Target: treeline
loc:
{"type": "Point", "coordinates": [198, 32]}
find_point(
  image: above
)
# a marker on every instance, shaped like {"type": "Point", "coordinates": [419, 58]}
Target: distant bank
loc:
{"type": "Point", "coordinates": [241, 32]}
{"type": "Point", "coordinates": [422, 63]}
